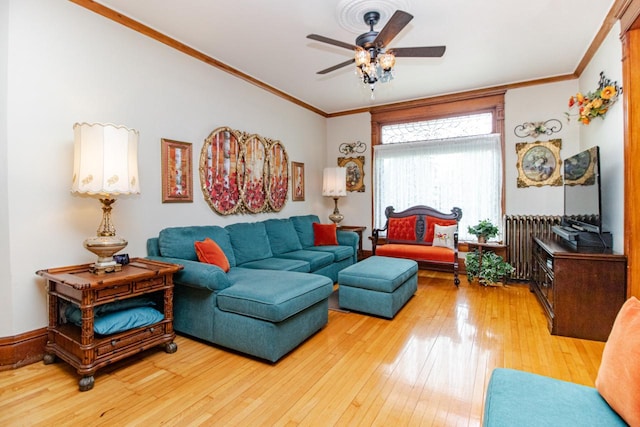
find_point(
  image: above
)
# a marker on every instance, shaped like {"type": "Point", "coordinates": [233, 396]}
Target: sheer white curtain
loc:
{"type": "Point", "coordinates": [465, 172]}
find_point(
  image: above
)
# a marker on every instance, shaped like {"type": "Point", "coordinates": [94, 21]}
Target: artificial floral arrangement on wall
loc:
{"type": "Point", "coordinates": [243, 173]}
{"type": "Point", "coordinates": [597, 103]}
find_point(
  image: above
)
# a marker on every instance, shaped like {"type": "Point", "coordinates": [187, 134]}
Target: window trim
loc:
{"type": "Point", "coordinates": [438, 108]}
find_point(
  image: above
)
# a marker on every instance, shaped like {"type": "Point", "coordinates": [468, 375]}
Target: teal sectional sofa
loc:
{"type": "Point", "coordinates": [275, 294]}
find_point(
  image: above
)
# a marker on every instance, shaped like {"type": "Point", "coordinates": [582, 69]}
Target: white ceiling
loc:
{"type": "Point", "coordinates": [489, 43]}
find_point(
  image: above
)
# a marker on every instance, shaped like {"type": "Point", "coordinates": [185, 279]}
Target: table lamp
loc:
{"type": "Point", "coordinates": [105, 165]}
{"type": "Point", "coordinates": [334, 184]}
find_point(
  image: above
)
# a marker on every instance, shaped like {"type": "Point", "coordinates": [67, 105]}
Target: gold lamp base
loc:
{"type": "Point", "coordinates": [336, 216]}
{"type": "Point", "coordinates": [104, 247]}
{"type": "Point", "coordinates": [106, 243]}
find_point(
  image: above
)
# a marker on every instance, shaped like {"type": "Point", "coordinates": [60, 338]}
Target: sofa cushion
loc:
{"type": "Point", "coordinates": [316, 259]}
{"type": "Point", "coordinates": [517, 398]}
{"type": "Point", "coordinates": [431, 224]}
{"type": "Point", "coordinates": [339, 252]}
{"type": "Point", "coordinates": [209, 252]}
{"type": "Point", "coordinates": [402, 228]}
{"type": "Point", "coordinates": [250, 241]}
{"type": "Point", "coordinates": [178, 242]}
{"type": "Point", "coordinates": [304, 228]}
{"type": "Point", "coordinates": [618, 378]}
{"type": "Point", "coordinates": [416, 252]}
{"type": "Point", "coordinates": [324, 234]}
{"type": "Point", "coordinates": [282, 236]}
{"type": "Point", "coordinates": [443, 235]}
{"type": "Point", "coordinates": [73, 313]}
{"type": "Point", "coordinates": [272, 295]}
{"type": "Point", "coordinates": [276, 263]}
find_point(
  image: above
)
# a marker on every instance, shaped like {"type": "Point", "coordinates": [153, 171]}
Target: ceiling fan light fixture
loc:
{"type": "Point", "coordinates": [387, 61]}
{"type": "Point", "coordinates": [362, 57]}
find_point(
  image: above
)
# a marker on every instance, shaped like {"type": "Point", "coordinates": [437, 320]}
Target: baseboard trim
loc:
{"type": "Point", "coordinates": [23, 349]}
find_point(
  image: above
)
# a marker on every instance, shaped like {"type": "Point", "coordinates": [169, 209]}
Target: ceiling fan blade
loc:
{"type": "Point", "coordinates": [419, 52]}
{"type": "Point", "coordinates": [397, 22]}
{"type": "Point", "coordinates": [335, 67]}
{"type": "Point", "coordinates": [327, 40]}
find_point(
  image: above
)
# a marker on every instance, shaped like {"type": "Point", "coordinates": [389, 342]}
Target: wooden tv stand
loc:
{"type": "Point", "coordinates": [581, 290]}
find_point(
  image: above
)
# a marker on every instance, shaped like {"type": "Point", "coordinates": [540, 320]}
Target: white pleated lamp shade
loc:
{"type": "Point", "coordinates": [334, 182]}
{"type": "Point", "coordinates": [105, 159]}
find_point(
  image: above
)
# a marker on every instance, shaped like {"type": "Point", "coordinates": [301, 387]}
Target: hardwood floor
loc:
{"type": "Point", "coordinates": [428, 366]}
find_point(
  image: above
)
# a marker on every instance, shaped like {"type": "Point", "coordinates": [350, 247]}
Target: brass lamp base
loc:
{"type": "Point", "coordinates": [106, 243]}
{"type": "Point", "coordinates": [336, 216]}
{"type": "Point", "coordinates": [104, 247]}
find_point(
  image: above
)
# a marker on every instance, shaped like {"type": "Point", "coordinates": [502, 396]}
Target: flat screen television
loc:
{"type": "Point", "coordinates": [582, 196]}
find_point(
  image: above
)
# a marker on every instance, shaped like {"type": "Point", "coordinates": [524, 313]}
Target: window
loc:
{"type": "Point", "coordinates": [442, 163]}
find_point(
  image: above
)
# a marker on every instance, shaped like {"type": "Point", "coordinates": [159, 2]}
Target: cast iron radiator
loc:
{"type": "Point", "coordinates": [518, 232]}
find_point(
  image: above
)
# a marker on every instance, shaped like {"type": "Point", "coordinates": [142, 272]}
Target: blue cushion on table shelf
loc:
{"type": "Point", "coordinates": [250, 241]}
{"type": "Point", "coordinates": [74, 315]}
{"type": "Point", "coordinates": [282, 236]}
{"type": "Point", "coordinates": [123, 320]}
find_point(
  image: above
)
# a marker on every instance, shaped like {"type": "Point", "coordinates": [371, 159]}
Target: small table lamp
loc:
{"type": "Point", "coordinates": [105, 165]}
{"type": "Point", "coordinates": [334, 184]}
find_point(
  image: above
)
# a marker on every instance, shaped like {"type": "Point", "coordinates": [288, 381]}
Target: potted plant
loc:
{"type": "Point", "coordinates": [484, 230]}
{"type": "Point", "coordinates": [491, 271]}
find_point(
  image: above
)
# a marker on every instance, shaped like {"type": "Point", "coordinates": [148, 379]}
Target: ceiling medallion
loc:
{"type": "Point", "coordinates": [350, 12]}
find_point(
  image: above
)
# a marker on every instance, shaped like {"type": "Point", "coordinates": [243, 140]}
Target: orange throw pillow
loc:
{"type": "Point", "coordinates": [402, 228]}
{"type": "Point", "coordinates": [324, 234]}
{"type": "Point", "coordinates": [618, 378]}
{"type": "Point", "coordinates": [209, 252]}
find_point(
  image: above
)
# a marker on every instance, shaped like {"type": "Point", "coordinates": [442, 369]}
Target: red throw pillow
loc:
{"type": "Point", "coordinates": [402, 228]}
{"type": "Point", "coordinates": [431, 225]}
{"type": "Point", "coordinates": [618, 378]}
{"type": "Point", "coordinates": [324, 234]}
{"type": "Point", "coordinates": [208, 251]}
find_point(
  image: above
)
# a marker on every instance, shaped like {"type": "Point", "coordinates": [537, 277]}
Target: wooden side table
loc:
{"type": "Point", "coordinates": [356, 229]}
{"type": "Point", "coordinates": [80, 346]}
{"type": "Point", "coordinates": [497, 248]}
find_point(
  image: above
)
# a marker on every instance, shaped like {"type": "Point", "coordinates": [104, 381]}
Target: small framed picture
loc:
{"type": "Point", "coordinates": [355, 172]}
{"type": "Point", "coordinates": [177, 176]}
{"type": "Point", "coordinates": [297, 183]}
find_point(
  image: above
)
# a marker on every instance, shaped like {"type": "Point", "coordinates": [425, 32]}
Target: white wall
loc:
{"type": "Point", "coordinates": [66, 65]}
{"type": "Point", "coordinates": [6, 314]}
{"type": "Point", "coordinates": [537, 104]}
{"type": "Point", "coordinates": [608, 135]}
{"type": "Point", "coordinates": [356, 207]}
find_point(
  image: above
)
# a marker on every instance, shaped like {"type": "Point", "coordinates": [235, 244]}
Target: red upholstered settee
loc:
{"type": "Point", "coordinates": [423, 234]}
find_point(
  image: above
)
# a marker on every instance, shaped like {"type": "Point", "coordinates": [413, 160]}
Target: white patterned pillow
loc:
{"type": "Point", "coordinates": [443, 235]}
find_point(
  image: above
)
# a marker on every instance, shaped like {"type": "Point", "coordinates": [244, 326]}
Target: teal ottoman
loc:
{"type": "Point", "coordinates": [378, 285]}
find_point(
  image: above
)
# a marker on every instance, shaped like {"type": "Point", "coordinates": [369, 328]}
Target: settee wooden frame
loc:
{"type": "Point", "coordinates": [421, 212]}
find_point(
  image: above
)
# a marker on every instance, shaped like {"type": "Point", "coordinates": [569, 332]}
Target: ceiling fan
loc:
{"type": "Point", "coordinates": [372, 57]}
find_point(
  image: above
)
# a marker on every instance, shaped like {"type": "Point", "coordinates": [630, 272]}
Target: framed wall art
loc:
{"type": "Point", "coordinates": [219, 164]}
{"type": "Point", "coordinates": [243, 173]}
{"type": "Point", "coordinates": [297, 171]}
{"type": "Point", "coordinates": [539, 163]}
{"type": "Point", "coordinates": [177, 173]}
{"type": "Point", "coordinates": [355, 172]}
{"type": "Point", "coordinates": [278, 173]}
